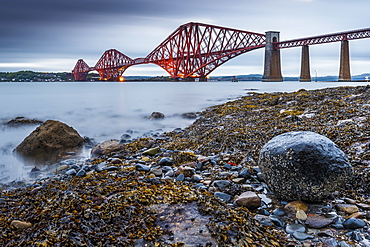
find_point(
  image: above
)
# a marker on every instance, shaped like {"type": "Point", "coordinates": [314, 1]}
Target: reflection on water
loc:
{"type": "Point", "coordinates": [107, 110]}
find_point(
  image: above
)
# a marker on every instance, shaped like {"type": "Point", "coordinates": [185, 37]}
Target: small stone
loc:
{"type": "Point", "coordinates": [61, 168]}
{"type": "Point", "coordinates": [302, 235]}
{"type": "Point", "coordinates": [156, 115]}
{"type": "Point", "coordinates": [166, 161]}
{"type": "Point", "coordinates": [145, 159]}
{"type": "Point", "coordinates": [142, 168]}
{"type": "Point", "coordinates": [295, 206]}
{"type": "Point", "coordinates": [221, 183]}
{"type": "Point", "coordinates": [357, 215]}
{"type": "Point", "coordinates": [249, 199]}
{"type": "Point", "coordinates": [111, 168]}
{"type": "Point", "coordinates": [116, 161]}
{"type": "Point", "coordinates": [20, 224]}
{"type": "Point", "coordinates": [354, 223]}
{"type": "Point", "coordinates": [156, 171]}
{"type": "Point", "coordinates": [277, 220]}
{"type": "Point", "coordinates": [264, 220]}
{"type": "Point", "coordinates": [350, 201]}
{"type": "Point", "coordinates": [238, 180]}
{"type": "Point", "coordinates": [81, 173]}
{"type": "Point", "coordinates": [363, 206]}
{"type": "Point", "coordinates": [292, 228]}
{"type": "Point", "coordinates": [152, 151]}
{"type": "Point", "coordinates": [71, 172]}
{"type": "Point", "coordinates": [347, 208]}
{"type": "Point", "coordinates": [186, 170]}
{"type": "Point", "coordinates": [180, 177]}
{"type": "Point", "coordinates": [318, 221]}
{"type": "Point", "coordinates": [223, 196]}
{"type": "Point", "coordinates": [196, 178]}
{"type": "Point", "coordinates": [106, 147]}
{"type": "Point", "coordinates": [279, 211]}
{"type": "Point", "coordinates": [301, 215]}
{"type": "Point", "coordinates": [330, 242]}
{"type": "Point", "coordinates": [245, 173]}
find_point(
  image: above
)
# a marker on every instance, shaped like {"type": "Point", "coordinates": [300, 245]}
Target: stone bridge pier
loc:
{"type": "Point", "coordinates": [272, 69]}
{"type": "Point", "coordinates": [272, 64]}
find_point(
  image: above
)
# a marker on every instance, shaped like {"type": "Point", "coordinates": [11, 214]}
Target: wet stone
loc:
{"type": "Point", "coordinates": [263, 219]}
{"type": "Point", "coordinates": [166, 161]}
{"type": "Point", "coordinates": [302, 236]}
{"type": "Point", "coordinates": [71, 172]}
{"type": "Point", "coordinates": [292, 228]}
{"type": "Point", "coordinates": [296, 206]}
{"type": "Point", "coordinates": [180, 177]}
{"type": "Point", "coordinates": [81, 173]}
{"type": "Point", "coordinates": [223, 196]}
{"type": "Point", "coordinates": [279, 211]}
{"type": "Point", "coordinates": [354, 223]}
{"type": "Point", "coordinates": [248, 199]}
{"type": "Point", "coordinates": [347, 208]}
{"type": "Point", "coordinates": [141, 167]}
{"type": "Point", "coordinates": [318, 221]}
{"type": "Point", "coordinates": [221, 183]}
{"type": "Point", "coordinates": [278, 221]}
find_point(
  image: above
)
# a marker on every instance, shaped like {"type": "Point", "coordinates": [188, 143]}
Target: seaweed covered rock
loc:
{"type": "Point", "coordinates": [48, 139]}
{"type": "Point", "coordinates": [303, 165]}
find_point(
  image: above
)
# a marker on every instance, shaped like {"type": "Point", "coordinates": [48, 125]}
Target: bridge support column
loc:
{"type": "Point", "coordinates": [305, 64]}
{"type": "Point", "coordinates": [272, 69]}
{"type": "Point", "coordinates": [344, 67]}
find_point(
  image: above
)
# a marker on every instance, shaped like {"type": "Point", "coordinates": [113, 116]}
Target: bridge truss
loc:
{"type": "Point", "coordinates": [327, 38]}
{"type": "Point", "coordinates": [193, 50]}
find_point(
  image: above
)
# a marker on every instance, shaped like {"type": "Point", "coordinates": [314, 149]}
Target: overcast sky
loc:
{"type": "Point", "coordinates": [51, 35]}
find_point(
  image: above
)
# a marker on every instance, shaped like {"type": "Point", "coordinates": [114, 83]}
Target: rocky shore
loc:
{"type": "Point", "coordinates": [201, 186]}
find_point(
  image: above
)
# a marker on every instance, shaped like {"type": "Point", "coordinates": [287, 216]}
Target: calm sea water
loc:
{"type": "Point", "coordinates": [106, 110]}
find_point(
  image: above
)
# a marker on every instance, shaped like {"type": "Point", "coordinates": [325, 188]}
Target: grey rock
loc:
{"type": "Point", "coordinates": [111, 168]}
{"type": "Point", "coordinates": [49, 139]}
{"type": "Point", "coordinates": [180, 177]}
{"type": "Point", "coordinates": [223, 196]}
{"type": "Point", "coordinates": [279, 211]}
{"type": "Point", "coordinates": [143, 168]}
{"type": "Point", "coordinates": [302, 235]}
{"type": "Point", "coordinates": [277, 220]}
{"type": "Point", "coordinates": [221, 183]}
{"type": "Point", "coordinates": [156, 115]}
{"type": "Point", "coordinates": [71, 172]}
{"type": "Point", "coordinates": [264, 220]}
{"type": "Point", "coordinates": [354, 223]}
{"type": "Point", "coordinates": [166, 162]}
{"type": "Point", "coordinates": [303, 166]}
{"type": "Point", "coordinates": [292, 228]}
{"type": "Point", "coordinates": [245, 173]}
{"type": "Point", "coordinates": [81, 173]}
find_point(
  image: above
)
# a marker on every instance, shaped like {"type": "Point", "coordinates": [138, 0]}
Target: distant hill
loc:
{"type": "Point", "coordinates": [31, 76]}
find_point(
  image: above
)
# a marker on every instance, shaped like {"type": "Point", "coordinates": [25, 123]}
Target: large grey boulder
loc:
{"type": "Point", "coordinates": [303, 166]}
{"type": "Point", "coordinates": [50, 139]}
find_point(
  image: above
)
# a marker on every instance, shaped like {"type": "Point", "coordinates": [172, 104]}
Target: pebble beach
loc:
{"type": "Point", "coordinates": [181, 188]}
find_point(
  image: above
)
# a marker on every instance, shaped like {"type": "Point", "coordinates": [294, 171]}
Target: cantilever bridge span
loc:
{"type": "Point", "coordinates": [194, 50]}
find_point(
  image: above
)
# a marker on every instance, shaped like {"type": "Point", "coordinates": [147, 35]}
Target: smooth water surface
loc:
{"type": "Point", "coordinates": [106, 110]}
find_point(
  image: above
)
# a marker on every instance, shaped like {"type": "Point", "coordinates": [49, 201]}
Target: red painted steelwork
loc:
{"type": "Point", "coordinates": [81, 70]}
{"type": "Point", "coordinates": [112, 64]}
{"type": "Point", "coordinates": [195, 49]}
{"type": "Point", "coordinates": [328, 38]}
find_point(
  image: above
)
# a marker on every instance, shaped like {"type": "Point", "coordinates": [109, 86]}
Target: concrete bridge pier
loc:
{"type": "Point", "coordinates": [272, 69]}
{"type": "Point", "coordinates": [344, 67]}
{"type": "Point", "coordinates": [305, 64]}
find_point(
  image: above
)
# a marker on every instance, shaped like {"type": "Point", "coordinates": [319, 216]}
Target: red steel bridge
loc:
{"type": "Point", "coordinates": [194, 50]}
